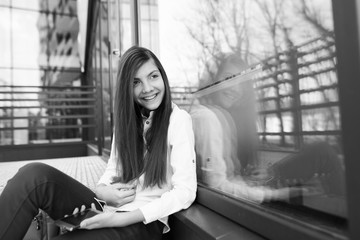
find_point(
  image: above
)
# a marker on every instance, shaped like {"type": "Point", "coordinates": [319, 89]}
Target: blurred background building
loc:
{"type": "Point", "coordinates": [58, 66]}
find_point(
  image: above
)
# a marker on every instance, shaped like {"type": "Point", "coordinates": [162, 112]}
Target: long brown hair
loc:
{"type": "Point", "coordinates": [133, 160]}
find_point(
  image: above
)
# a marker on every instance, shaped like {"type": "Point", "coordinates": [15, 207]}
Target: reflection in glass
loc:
{"type": "Point", "coordinates": [257, 154]}
{"type": "Point", "coordinates": [40, 74]}
{"type": "Point", "coordinates": [5, 39]}
{"type": "Point", "coordinates": [25, 31]}
{"type": "Point", "coordinates": [27, 4]}
{"type": "Point", "coordinates": [149, 26]}
{"type": "Point", "coordinates": [270, 133]}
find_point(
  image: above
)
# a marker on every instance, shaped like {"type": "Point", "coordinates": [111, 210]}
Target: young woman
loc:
{"type": "Point", "coordinates": [150, 174]}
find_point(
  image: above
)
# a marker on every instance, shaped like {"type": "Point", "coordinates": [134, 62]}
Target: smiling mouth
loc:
{"type": "Point", "coordinates": [149, 98]}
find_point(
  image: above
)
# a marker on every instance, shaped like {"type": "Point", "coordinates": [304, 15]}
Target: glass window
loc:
{"type": "Point", "coordinates": [5, 3]}
{"type": "Point", "coordinates": [125, 25]}
{"type": "Point", "coordinates": [25, 35]}
{"type": "Point", "coordinates": [120, 27]}
{"type": "Point", "coordinates": [105, 76]}
{"type": "Point", "coordinates": [266, 113]}
{"type": "Point", "coordinates": [62, 7]}
{"type": "Point", "coordinates": [5, 37]}
{"type": "Point", "coordinates": [114, 25]}
{"type": "Point", "coordinates": [115, 43]}
{"type": "Point", "coordinates": [26, 4]}
{"type": "Point", "coordinates": [148, 11]}
{"type": "Point", "coordinates": [30, 77]}
{"type": "Point", "coordinates": [40, 49]}
{"type": "Point", "coordinates": [150, 39]}
{"type": "Point", "coordinates": [5, 76]}
{"type": "Point", "coordinates": [97, 61]}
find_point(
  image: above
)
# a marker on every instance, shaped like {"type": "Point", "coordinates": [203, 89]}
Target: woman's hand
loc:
{"type": "Point", "coordinates": [116, 194]}
{"type": "Point", "coordinates": [82, 208]}
{"type": "Point", "coordinates": [102, 220]}
{"type": "Point", "coordinates": [64, 229]}
{"type": "Point", "coordinates": [112, 219]}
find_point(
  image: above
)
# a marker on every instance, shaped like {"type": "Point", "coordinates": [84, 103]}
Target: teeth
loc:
{"type": "Point", "coordinates": [150, 97]}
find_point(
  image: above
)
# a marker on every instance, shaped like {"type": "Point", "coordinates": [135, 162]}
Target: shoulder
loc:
{"type": "Point", "coordinates": [180, 132]}
{"type": "Point", "coordinates": [178, 114]}
{"type": "Point", "coordinates": [203, 114]}
{"type": "Point", "coordinates": [180, 121]}
{"type": "Point", "coordinates": [199, 109]}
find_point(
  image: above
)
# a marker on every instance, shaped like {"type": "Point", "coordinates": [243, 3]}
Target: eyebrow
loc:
{"type": "Point", "coordinates": [152, 72]}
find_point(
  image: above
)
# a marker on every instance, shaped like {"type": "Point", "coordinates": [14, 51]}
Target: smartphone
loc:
{"type": "Point", "coordinates": [73, 221]}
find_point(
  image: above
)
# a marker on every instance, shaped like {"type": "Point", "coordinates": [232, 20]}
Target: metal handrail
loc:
{"type": "Point", "coordinates": [64, 107]}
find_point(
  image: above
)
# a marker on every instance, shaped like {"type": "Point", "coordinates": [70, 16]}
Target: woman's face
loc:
{"type": "Point", "coordinates": [148, 85]}
{"type": "Point", "coordinates": [229, 96]}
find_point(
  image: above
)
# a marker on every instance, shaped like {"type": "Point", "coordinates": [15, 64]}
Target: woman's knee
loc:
{"type": "Point", "coordinates": [35, 167]}
{"type": "Point", "coordinates": [36, 170]}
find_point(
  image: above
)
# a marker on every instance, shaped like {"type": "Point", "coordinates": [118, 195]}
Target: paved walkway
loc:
{"type": "Point", "coordinates": [87, 169]}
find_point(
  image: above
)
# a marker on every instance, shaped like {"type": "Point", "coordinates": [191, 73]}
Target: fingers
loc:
{"type": "Point", "coordinates": [91, 223]}
{"type": "Point", "coordinates": [126, 193]}
{"type": "Point", "coordinates": [76, 210]}
{"type": "Point", "coordinates": [124, 197]}
{"type": "Point", "coordinates": [129, 198]}
{"type": "Point", "coordinates": [117, 194]}
{"type": "Point", "coordinates": [87, 224]}
{"type": "Point", "coordinates": [100, 220]}
{"type": "Point", "coordinates": [125, 186]}
{"type": "Point", "coordinates": [93, 207]}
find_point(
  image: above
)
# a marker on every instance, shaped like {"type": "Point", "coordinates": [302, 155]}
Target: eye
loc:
{"type": "Point", "coordinates": [136, 82]}
{"type": "Point", "coordinates": [154, 76]}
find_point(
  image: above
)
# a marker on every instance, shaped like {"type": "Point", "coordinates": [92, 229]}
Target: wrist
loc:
{"type": "Point", "coordinates": [99, 191]}
{"type": "Point", "coordinates": [122, 219]}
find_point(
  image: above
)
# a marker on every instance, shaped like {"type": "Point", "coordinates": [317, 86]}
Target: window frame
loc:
{"type": "Point", "coordinates": [282, 226]}
{"type": "Point", "coordinates": [347, 13]}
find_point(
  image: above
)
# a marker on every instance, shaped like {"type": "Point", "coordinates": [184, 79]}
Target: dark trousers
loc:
{"type": "Point", "coordinates": [40, 186]}
{"type": "Point", "coordinates": [315, 159]}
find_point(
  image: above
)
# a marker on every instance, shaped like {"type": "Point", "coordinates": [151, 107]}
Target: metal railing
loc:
{"type": "Point", "coordinates": [39, 114]}
{"type": "Point", "coordinates": [182, 96]}
{"type": "Point", "coordinates": [299, 88]}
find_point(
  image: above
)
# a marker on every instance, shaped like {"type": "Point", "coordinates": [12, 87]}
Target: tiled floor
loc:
{"type": "Point", "coordinates": [87, 169]}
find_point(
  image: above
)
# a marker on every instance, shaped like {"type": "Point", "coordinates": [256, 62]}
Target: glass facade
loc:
{"type": "Point", "coordinates": [266, 112]}
{"type": "Point", "coordinates": [40, 73]}
{"type": "Point", "coordinates": [113, 35]}
{"type": "Point", "coordinates": [266, 115]}
{"type": "Point", "coordinates": [266, 109]}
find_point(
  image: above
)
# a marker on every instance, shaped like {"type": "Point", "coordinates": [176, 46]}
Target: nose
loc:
{"type": "Point", "coordinates": [147, 87]}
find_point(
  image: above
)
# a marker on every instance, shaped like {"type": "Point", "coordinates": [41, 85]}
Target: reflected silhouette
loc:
{"type": "Point", "coordinates": [228, 153]}
{"type": "Point", "coordinates": [224, 147]}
